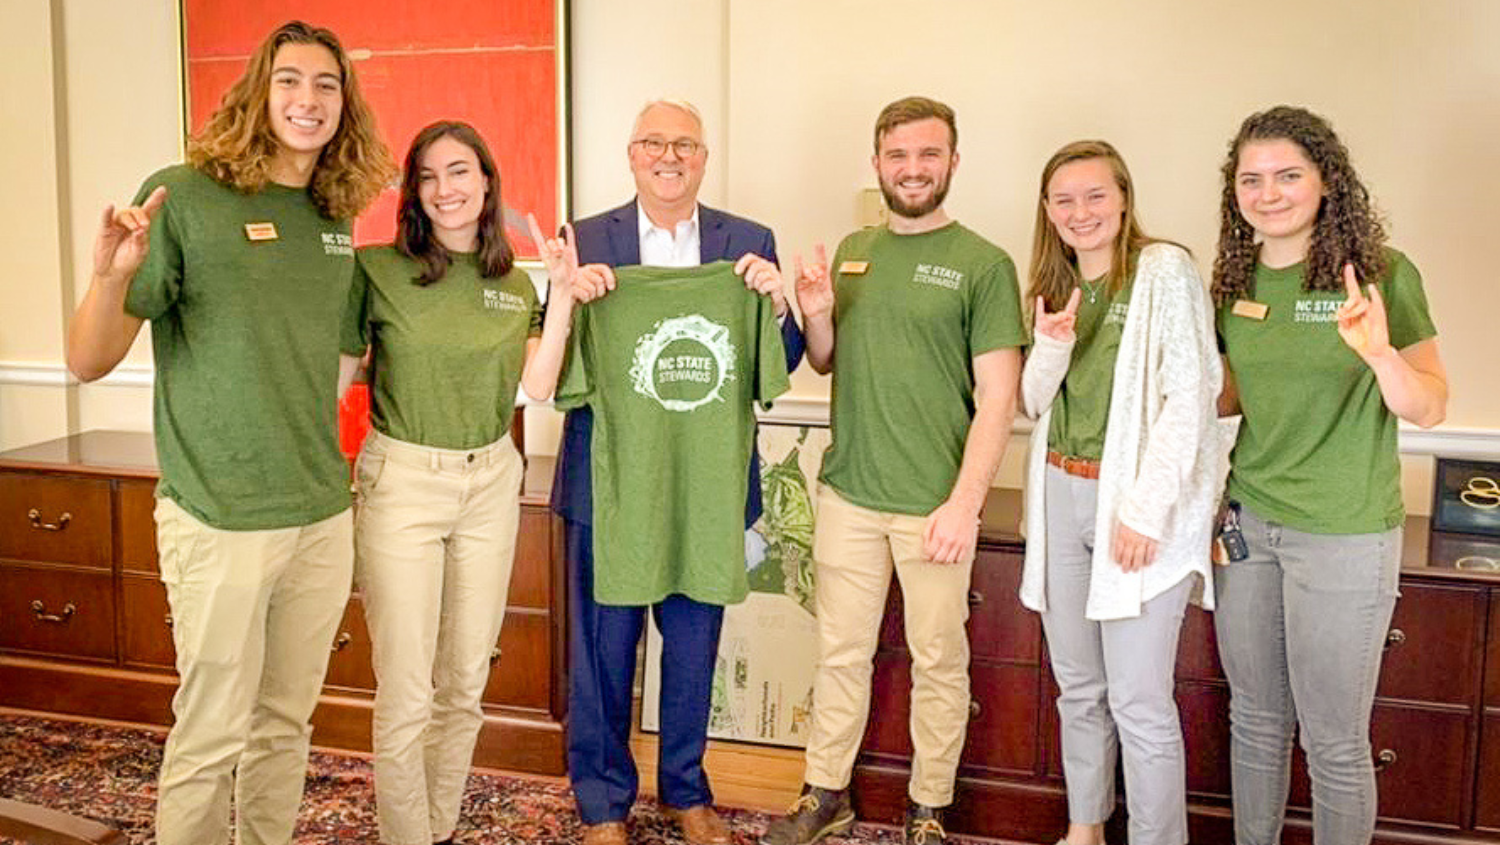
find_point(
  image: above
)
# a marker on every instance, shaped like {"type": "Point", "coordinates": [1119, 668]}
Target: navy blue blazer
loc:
{"type": "Point", "coordinates": [614, 238]}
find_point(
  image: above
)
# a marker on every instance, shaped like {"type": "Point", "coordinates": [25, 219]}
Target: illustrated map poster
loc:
{"type": "Point", "coordinates": [762, 688]}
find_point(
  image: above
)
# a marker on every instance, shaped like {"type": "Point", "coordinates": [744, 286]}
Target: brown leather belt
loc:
{"type": "Point", "coordinates": [1081, 467]}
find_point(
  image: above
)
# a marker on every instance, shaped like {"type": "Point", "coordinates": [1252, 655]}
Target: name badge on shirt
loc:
{"type": "Point", "coordinates": [261, 231]}
{"type": "Point", "coordinates": [1247, 308]}
{"type": "Point", "coordinates": [854, 268]}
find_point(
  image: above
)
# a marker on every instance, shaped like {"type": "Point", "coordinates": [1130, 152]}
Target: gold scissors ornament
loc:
{"type": "Point", "coordinates": [1482, 493]}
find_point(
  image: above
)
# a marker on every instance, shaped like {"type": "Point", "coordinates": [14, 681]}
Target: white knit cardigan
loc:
{"type": "Point", "coordinates": [1165, 453]}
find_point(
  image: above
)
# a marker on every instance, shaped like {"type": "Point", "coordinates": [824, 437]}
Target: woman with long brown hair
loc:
{"type": "Point", "coordinates": [1327, 342]}
{"type": "Point", "coordinates": [455, 326]}
{"type": "Point", "coordinates": [1124, 471]}
{"type": "Point", "coordinates": [242, 260]}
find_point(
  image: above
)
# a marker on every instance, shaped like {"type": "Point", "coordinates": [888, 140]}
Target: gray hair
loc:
{"type": "Point", "coordinates": [674, 103]}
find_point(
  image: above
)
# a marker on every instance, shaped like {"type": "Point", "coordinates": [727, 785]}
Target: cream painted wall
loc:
{"type": "Point", "coordinates": [31, 330]}
{"type": "Point", "coordinates": [117, 135]}
{"type": "Point", "coordinates": [789, 91]}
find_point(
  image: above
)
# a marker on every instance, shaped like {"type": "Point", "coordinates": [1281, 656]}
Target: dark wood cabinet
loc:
{"type": "Point", "coordinates": [85, 628]}
{"type": "Point", "coordinates": [1435, 731]}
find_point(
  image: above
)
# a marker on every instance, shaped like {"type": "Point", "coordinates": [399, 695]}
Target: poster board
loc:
{"type": "Point", "coordinates": [768, 648]}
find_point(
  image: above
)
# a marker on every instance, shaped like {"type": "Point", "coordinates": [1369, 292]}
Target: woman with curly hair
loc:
{"type": "Point", "coordinates": [242, 259]}
{"type": "Point", "coordinates": [1327, 341]}
{"type": "Point", "coordinates": [454, 326]}
{"type": "Point", "coordinates": [1121, 379]}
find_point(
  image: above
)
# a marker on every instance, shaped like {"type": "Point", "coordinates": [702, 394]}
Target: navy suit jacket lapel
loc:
{"type": "Point", "coordinates": [625, 235]}
{"type": "Point", "coordinates": [713, 235]}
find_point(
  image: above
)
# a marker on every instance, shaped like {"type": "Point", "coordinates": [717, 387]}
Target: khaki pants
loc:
{"type": "Point", "coordinates": [253, 618]}
{"type": "Point", "coordinates": [436, 538]}
{"type": "Point", "coordinates": [855, 550]}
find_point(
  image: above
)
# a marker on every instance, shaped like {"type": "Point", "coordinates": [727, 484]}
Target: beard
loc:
{"type": "Point", "coordinates": [933, 201]}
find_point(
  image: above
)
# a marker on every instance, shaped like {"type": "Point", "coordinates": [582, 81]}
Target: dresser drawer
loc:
{"type": "Point", "coordinates": [55, 519]}
{"type": "Point", "coordinates": [1003, 713]}
{"type": "Point", "coordinates": [138, 527]}
{"type": "Point", "coordinates": [1420, 764]}
{"type": "Point", "coordinates": [1434, 646]}
{"type": "Point", "coordinates": [1002, 727]}
{"type": "Point", "coordinates": [1198, 647]}
{"type": "Point", "coordinates": [60, 612]}
{"type": "Point", "coordinates": [999, 627]}
{"type": "Point", "coordinates": [1487, 795]}
{"type": "Point", "coordinates": [146, 623]}
{"type": "Point", "coordinates": [531, 577]}
{"type": "Point", "coordinates": [350, 666]}
{"type": "Point", "coordinates": [523, 662]}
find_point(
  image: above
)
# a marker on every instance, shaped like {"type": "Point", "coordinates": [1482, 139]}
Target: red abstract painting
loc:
{"type": "Point", "coordinates": [493, 63]}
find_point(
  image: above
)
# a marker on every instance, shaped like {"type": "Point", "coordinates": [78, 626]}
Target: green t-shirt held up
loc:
{"type": "Point", "coordinates": [448, 355]}
{"type": "Point", "coordinates": [672, 363]}
{"type": "Point", "coordinates": [1317, 445]}
{"type": "Point", "coordinates": [245, 293]}
{"type": "Point", "coordinates": [912, 312]}
{"type": "Point", "coordinates": [1080, 413]}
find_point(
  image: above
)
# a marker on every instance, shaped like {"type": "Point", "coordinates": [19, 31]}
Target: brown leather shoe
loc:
{"type": "Point", "coordinates": [701, 825]}
{"type": "Point", "coordinates": [605, 833]}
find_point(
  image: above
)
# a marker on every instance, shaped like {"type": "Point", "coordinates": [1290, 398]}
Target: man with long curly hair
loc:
{"type": "Point", "coordinates": [242, 259]}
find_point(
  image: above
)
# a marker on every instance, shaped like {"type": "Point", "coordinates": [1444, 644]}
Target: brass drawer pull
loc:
{"type": "Point", "coordinates": [43, 616]}
{"type": "Point", "coordinates": [1395, 637]}
{"type": "Point", "coordinates": [36, 521]}
{"type": "Point", "coordinates": [167, 619]}
{"type": "Point", "coordinates": [974, 709]}
{"type": "Point", "coordinates": [495, 655]}
{"type": "Point", "coordinates": [341, 641]}
{"type": "Point", "coordinates": [1384, 759]}
{"type": "Point", "coordinates": [976, 598]}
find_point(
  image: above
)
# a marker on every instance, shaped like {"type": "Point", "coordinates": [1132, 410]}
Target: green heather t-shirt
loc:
{"type": "Point", "coordinates": [672, 363]}
{"type": "Point", "coordinates": [1317, 446]}
{"type": "Point", "coordinates": [246, 338]}
{"type": "Point", "coordinates": [912, 312]}
{"type": "Point", "coordinates": [1081, 410]}
{"type": "Point", "coordinates": [448, 355]}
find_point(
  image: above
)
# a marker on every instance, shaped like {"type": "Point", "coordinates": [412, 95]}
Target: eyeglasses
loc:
{"type": "Point", "coordinates": [656, 147]}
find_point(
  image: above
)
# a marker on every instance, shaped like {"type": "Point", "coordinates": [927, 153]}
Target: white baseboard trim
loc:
{"type": "Point", "coordinates": [56, 375]}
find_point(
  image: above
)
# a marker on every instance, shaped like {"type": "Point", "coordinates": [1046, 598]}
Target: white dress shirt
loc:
{"type": "Point", "coordinates": [677, 247]}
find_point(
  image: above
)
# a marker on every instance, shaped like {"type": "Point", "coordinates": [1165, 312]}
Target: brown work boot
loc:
{"type": "Point", "coordinates": [701, 825]}
{"type": "Point", "coordinates": [816, 813]}
{"type": "Point", "coordinates": [605, 833]}
{"type": "Point", "coordinates": [923, 825]}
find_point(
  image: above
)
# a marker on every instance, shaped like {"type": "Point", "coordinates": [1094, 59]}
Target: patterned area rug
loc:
{"type": "Point", "coordinates": [109, 774]}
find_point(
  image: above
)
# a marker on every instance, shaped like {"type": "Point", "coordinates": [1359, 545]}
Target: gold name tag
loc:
{"type": "Point", "coordinates": [260, 231]}
{"type": "Point", "coordinates": [854, 268]}
{"type": "Point", "coordinates": [1252, 310]}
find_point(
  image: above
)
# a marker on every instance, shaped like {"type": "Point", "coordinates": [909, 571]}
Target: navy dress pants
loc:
{"type": "Point", "coordinates": [602, 644]}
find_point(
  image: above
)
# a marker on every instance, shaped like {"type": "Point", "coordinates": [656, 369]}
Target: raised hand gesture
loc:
{"type": "Point", "coordinates": [125, 237]}
{"type": "Point", "coordinates": [814, 285]}
{"type": "Point", "coordinates": [559, 254]}
{"type": "Point", "coordinates": [1058, 325]}
{"type": "Point", "coordinates": [1361, 319]}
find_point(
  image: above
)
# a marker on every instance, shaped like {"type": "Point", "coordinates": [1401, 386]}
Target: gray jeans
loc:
{"type": "Point", "coordinates": [1301, 625]}
{"type": "Point", "coordinates": [1116, 680]}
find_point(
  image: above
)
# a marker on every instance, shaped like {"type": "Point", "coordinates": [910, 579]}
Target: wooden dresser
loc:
{"type": "Point", "coordinates": [1436, 726]}
{"type": "Point", "coordinates": [85, 629]}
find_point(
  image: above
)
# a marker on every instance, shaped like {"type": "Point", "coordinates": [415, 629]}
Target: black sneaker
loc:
{"type": "Point", "coordinates": [816, 813]}
{"type": "Point", "coordinates": [923, 825]}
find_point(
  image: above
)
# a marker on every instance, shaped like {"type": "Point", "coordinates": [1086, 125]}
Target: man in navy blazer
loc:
{"type": "Point", "coordinates": [664, 225]}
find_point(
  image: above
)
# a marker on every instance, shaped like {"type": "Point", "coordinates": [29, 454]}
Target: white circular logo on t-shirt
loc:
{"type": "Point", "coordinates": [683, 362]}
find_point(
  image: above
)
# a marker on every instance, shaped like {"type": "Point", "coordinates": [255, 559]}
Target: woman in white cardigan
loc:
{"type": "Point", "coordinates": [1123, 478]}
